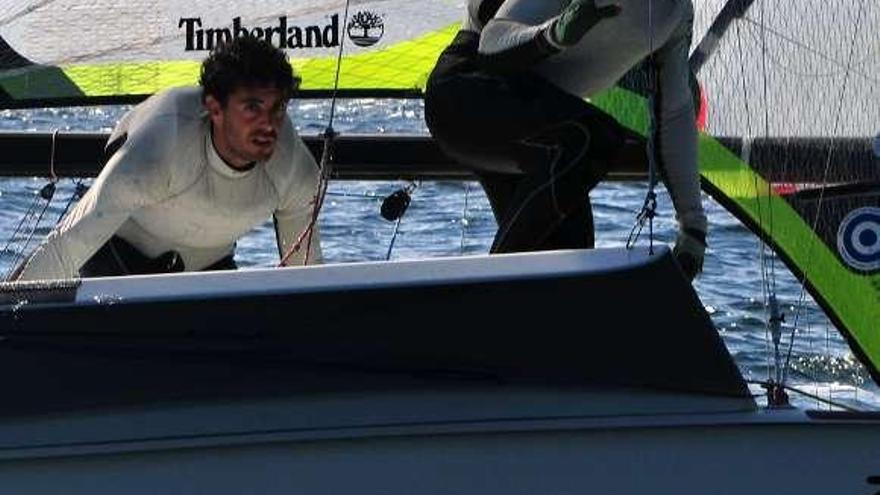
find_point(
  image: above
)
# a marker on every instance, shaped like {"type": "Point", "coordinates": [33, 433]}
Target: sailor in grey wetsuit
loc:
{"type": "Point", "coordinates": [168, 189]}
{"type": "Point", "coordinates": [505, 98]}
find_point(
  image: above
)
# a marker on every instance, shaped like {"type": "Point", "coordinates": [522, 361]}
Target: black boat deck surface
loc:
{"type": "Point", "coordinates": [602, 318]}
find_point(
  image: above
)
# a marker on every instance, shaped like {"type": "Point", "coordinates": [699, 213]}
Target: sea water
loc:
{"type": "Point", "coordinates": [454, 218]}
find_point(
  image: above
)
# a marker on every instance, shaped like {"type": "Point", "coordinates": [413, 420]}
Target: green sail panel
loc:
{"type": "Point", "coordinates": [849, 295]}
{"type": "Point", "coordinates": [793, 88]}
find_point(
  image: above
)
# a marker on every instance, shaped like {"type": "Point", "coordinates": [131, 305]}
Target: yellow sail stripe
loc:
{"type": "Point", "coordinates": [405, 65]}
{"type": "Point", "coordinates": [132, 78]}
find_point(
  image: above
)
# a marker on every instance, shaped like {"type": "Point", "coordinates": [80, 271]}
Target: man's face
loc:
{"type": "Point", "coordinates": [246, 128]}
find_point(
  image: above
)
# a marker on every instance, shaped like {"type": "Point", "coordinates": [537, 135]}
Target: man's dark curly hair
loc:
{"type": "Point", "coordinates": [246, 62]}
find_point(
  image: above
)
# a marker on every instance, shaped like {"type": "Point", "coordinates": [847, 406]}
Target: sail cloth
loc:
{"type": "Point", "coordinates": [795, 85]}
{"type": "Point", "coordinates": [73, 51]}
{"type": "Point", "coordinates": [791, 88]}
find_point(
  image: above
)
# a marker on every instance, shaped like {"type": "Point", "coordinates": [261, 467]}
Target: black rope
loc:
{"type": "Point", "coordinates": [21, 223]}
{"type": "Point", "coordinates": [79, 191]}
{"type": "Point", "coordinates": [393, 208]}
{"type": "Point", "coordinates": [649, 208]}
{"type": "Point", "coordinates": [646, 215]}
{"type": "Point", "coordinates": [47, 193]}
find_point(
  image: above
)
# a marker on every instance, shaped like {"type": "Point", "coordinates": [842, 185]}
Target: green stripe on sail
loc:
{"type": "Point", "coordinates": [405, 65]}
{"type": "Point", "coordinates": [37, 82]}
{"type": "Point", "coordinates": [852, 299]}
{"type": "Point", "coordinates": [627, 107]}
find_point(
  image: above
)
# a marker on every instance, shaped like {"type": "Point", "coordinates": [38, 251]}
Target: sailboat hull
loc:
{"type": "Point", "coordinates": [621, 443]}
{"type": "Point", "coordinates": [553, 373]}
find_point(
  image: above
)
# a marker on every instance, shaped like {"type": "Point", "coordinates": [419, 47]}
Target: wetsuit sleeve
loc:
{"type": "Point", "coordinates": [512, 42]}
{"type": "Point", "coordinates": [471, 21]}
{"type": "Point", "coordinates": [130, 180]}
{"type": "Point", "coordinates": [676, 132]}
{"type": "Point", "coordinates": [295, 211]}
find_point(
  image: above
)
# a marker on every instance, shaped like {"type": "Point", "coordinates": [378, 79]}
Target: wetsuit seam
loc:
{"type": "Point", "coordinates": [550, 183]}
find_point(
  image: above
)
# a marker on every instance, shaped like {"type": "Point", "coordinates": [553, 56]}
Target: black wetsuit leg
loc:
{"type": "Point", "coordinates": [118, 257]}
{"type": "Point", "coordinates": [536, 149]}
{"type": "Point", "coordinates": [574, 232]}
{"type": "Point", "coordinates": [549, 207]}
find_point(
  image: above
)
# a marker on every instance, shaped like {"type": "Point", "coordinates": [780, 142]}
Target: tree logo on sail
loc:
{"type": "Point", "coordinates": [365, 28]}
{"type": "Point", "coordinates": [858, 239]}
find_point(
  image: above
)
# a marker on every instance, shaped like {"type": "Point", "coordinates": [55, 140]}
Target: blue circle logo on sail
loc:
{"type": "Point", "coordinates": [365, 28]}
{"type": "Point", "coordinates": [858, 239]}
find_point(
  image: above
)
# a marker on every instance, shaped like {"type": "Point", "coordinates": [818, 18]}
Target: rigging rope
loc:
{"type": "Point", "coordinates": [464, 220]}
{"type": "Point", "coordinates": [393, 208]}
{"type": "Point", "coordinates": [831, 150]}
{"type": "Point", "coordinates": [796, 390]}
{"type": "Point", "coordinates": [79, 190]}
{"type": "Point", "coordinates": [772, 287]}
{"type": "Point", "coordinates": [773, 316]}
{"type": "Point", "coordinates": [46, 193]}
{"type": "Point", "coordinates": [18, 228]}
{"type": "Point", "coordinates": [325, 164]}
{"type": "Point", "coordinates": [746, 158]}
{"type": "Point", "coordinates": [649, 207]}
{"type": "Point", "coordinates": [393, 238]}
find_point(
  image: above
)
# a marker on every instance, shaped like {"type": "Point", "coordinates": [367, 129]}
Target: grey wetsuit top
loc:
{"type": "Point", "coordinates": [602, 57]}
{"type": "Point", "coordinates": [167, 189]}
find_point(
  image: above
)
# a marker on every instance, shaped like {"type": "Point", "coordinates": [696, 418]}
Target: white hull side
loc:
{"type": "Point", "coordinates": [735, 460]}
{"type": "Point", "coordinates": [446, 443]}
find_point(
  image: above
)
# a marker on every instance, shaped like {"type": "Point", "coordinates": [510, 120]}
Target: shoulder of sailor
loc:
{"type": "Point", "coordinates": [292, 168]}
{"type": "Point", "coordinates": [479, 13]}
{"type": "Point", "coordinates": [163, 137]}
{"type": "Point", "coordinates": [164, 119]}
{"type": "Point", "coordinates": [471, 20]}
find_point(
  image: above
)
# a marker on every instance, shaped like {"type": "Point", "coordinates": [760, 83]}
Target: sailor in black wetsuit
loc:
{"type": "Point", "coordinates": [505, 98]}
{"type": "Point", "coordinates": [537, 149]}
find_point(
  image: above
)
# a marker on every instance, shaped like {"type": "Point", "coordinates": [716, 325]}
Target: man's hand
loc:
{"type": "Point", "coordinates": [690, 246]}
{"type": "Point", "coordinates": [579, 17]}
